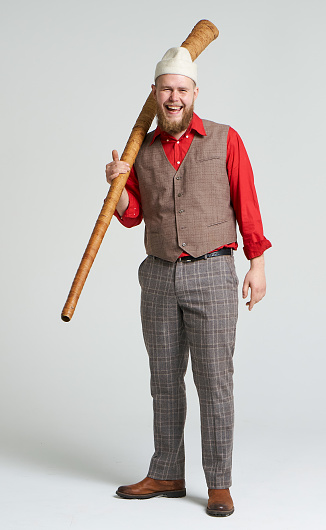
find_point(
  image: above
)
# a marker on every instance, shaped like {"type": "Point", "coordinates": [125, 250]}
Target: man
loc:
{"type": "Point", "coordinates": [191, 181]}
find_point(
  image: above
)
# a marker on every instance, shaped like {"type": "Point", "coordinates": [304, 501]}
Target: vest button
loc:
{"type": "Point", "coordinates": [179, 194]}
{"type": "Point", "coordinates": [184, 244]}
{"type": "Point", "coordinates": [178, 178]}
{"type": "Point", "coordinates": [180, 211]}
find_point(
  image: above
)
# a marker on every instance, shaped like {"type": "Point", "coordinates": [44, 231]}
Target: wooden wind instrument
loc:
{"type": "Point", "coordinates": [201, 36]}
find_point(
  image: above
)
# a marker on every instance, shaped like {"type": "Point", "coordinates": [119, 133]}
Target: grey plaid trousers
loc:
{"type": "Point", "coordinates": [191, 305]}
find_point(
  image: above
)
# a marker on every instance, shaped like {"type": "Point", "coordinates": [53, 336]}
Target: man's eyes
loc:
{"type": "Point", "coordinates": [169, 90]}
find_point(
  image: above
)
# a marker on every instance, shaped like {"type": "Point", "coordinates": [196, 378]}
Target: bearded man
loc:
{"type": "Point", "coordinates": [191, 182]}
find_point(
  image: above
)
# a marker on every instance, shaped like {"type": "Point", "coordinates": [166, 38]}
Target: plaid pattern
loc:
{"type": "Point", "coordinates": [192, 305]}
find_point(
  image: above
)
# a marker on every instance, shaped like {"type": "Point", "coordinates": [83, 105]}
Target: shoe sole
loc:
{"type": "Point", "coordinates": [215, 513]}
{"type": "Point", "coordinates": [170, 494]}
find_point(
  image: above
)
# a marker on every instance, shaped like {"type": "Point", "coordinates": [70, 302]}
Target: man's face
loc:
{"type": "Point", "coordinates": [175, 96]}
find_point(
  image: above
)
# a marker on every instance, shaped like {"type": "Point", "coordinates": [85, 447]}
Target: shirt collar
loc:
{"type": "Point", "coordinates": [195, 125]}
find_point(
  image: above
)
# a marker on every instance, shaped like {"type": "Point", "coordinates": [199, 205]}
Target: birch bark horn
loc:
{"type": "Point", "coordinates": [201, 36]}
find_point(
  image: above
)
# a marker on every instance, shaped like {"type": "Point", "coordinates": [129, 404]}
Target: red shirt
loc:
{"type": "Point", "coordinates": [242, 189]}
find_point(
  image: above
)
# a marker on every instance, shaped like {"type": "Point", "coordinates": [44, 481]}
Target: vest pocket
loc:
{"type": "Point", "coordinates": [217, 223]}
{"type": "Point", "coordinates": [208, 157]}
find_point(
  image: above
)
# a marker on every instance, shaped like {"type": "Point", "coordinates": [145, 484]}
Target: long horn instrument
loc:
{"type": "Point", "coordinates": [201, 36]}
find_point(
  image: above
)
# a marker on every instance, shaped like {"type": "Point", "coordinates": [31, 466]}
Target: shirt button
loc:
{"type": "Point", "coordinates": [178, 162]}
{"type": "Point", "coordinates": [184, 244]}
{"type": "Point", "coordinates": [167, 140]}
{"type": "Point", "coordinates": [178, 142]}
{"type": "Point", "coordinates": [187, 136]}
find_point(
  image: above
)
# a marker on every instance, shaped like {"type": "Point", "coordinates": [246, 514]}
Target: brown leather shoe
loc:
{"type": "Point", "coordinates": [150, 487]}
{"type": "Point", "coordinates": [220, 503]}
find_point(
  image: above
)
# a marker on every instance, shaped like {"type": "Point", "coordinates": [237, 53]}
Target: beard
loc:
{"type": "Point", "coordinates": [174, 127]}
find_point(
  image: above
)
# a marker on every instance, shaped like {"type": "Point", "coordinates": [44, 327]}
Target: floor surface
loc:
{"type": "Point", "coordinates": [276, 487]}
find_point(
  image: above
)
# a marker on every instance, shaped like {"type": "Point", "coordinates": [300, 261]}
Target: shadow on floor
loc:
{"type": "Point", "coordinates": [110, 464]}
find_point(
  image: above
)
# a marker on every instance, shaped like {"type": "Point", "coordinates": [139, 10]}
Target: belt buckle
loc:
{"type": "Point", "coordinates": [184, 259]}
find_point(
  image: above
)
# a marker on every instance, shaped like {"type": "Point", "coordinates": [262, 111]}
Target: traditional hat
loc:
{"type": "Point", "coordinates": [177, 61]}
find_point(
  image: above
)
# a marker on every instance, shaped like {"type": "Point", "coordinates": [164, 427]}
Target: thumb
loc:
{"type": "Point", "coordinates": [115, 156]}
{"type": "Point", "coordinates": [245, 288]}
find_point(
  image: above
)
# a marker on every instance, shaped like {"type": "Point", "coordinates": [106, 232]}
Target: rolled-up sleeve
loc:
{"type": "Point", "coordinates": [244, 197]}
{"type": "Point", "coordinates": [133, 215]}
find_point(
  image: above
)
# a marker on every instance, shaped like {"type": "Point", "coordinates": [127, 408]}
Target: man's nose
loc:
{"type": "Point", "coordinates": [174, 95]}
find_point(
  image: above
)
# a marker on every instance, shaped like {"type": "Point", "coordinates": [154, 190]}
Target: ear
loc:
{"type": "Point", "coordinates": [154, 90]}
{"type": "Point", "coordinates": [196, 92]}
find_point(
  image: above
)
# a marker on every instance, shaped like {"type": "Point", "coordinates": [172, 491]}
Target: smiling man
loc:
{"type": "Point", "coordinates": [191, 182]}
{"type": "Point", "coordinates": [175, 96]}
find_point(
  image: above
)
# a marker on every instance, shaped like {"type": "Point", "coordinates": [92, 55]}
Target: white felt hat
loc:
{"type": "Point", "coordinates": [177, 61]}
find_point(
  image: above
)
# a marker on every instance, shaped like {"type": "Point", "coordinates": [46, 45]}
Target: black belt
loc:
{"type": "Point", "coordinates": [221, 252]}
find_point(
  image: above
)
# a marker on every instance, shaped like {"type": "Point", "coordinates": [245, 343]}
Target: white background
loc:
{"type": "Point", "coordinates": [76, 418]}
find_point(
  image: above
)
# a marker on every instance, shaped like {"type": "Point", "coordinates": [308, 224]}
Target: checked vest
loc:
{"type": "Point", "coordinates": [189, 209]}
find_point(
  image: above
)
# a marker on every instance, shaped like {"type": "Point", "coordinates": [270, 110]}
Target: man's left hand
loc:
{"type": "Point", "coordinates": [256, 281]}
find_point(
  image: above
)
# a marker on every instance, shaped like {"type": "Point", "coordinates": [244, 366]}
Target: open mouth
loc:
{"type": "Point", "coordinates": [173, 109]}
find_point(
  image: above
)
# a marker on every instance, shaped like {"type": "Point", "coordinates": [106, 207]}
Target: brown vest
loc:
{"type": "Point", "coordinates": [190, 209]}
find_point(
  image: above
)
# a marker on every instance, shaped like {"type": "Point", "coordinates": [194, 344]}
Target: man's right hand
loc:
{"type": "Point", "coordinates": [113, 169]}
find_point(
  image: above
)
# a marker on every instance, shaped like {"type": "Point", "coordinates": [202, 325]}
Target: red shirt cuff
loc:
{"type": "Point", "coordinates": [133, 215]}
{"type": "Point", "coordinates": [253, 250]}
